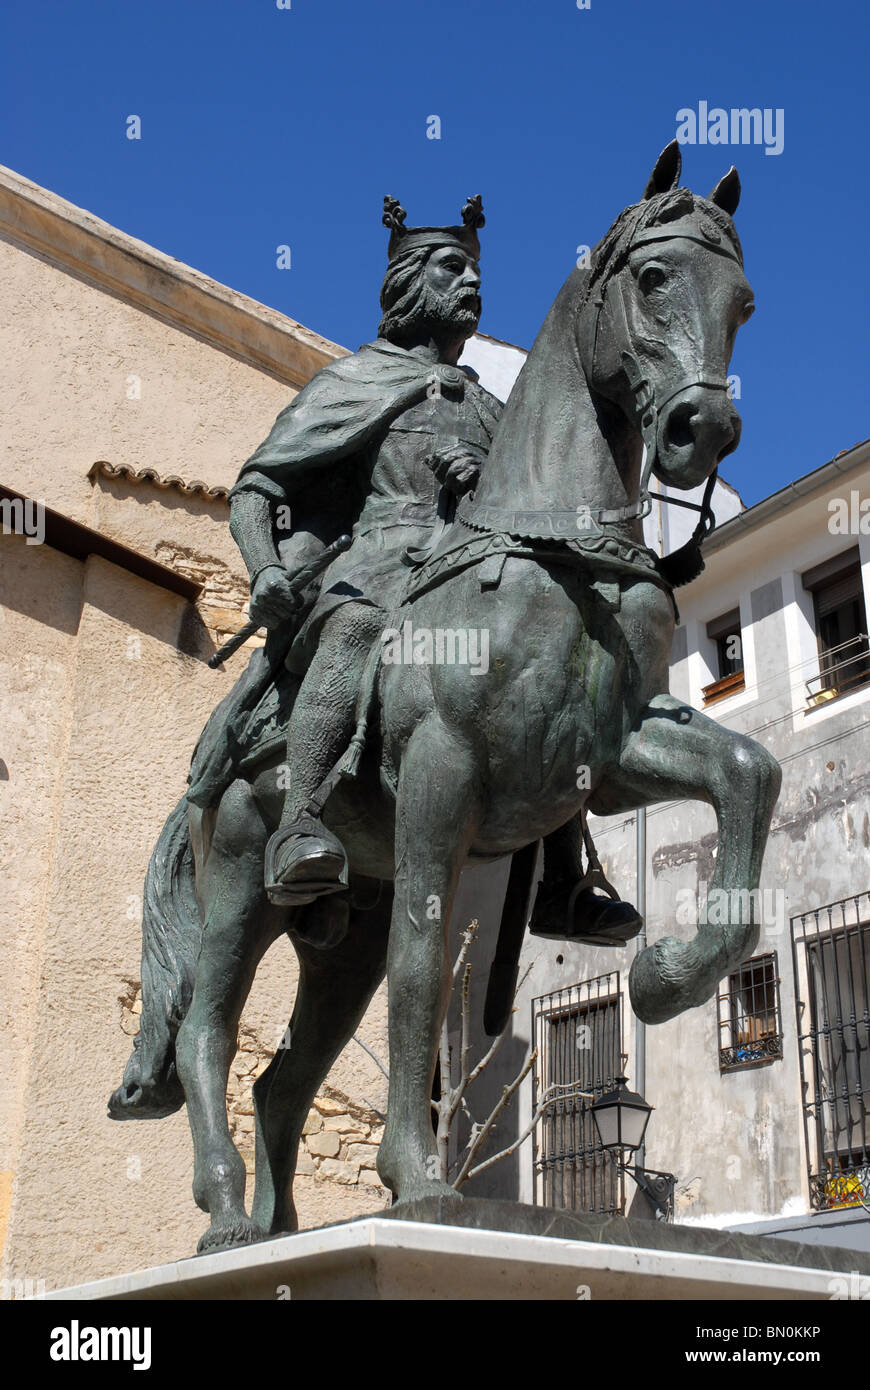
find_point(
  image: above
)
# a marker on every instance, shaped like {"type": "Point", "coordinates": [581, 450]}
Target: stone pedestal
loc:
{"type": "Point", "coordinates": [497, 1250]}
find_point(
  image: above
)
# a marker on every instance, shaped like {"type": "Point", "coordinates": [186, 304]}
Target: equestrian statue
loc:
{"type": "Point", "coordinates": [337, 792]}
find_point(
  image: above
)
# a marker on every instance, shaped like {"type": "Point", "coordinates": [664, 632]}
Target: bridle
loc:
{"type": "Point", "coordinates": [686, 563]}
{"type": "Point", "coordinates": [648, 410]}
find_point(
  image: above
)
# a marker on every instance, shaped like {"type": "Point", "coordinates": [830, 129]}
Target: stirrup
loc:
{"type": "Point", "coordinates": [604, 921]}
{"type": "Point", "coordinates": [304, 861]}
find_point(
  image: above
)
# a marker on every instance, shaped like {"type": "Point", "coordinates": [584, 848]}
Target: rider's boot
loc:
{"type": "Point", "coordinates": [569, 912]}
{"type": "Point", "coordinates": [567, 907]}
{"type": "Point", "coordinates": [304, 859]}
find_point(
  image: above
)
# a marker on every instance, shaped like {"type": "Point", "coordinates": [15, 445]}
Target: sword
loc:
{"type": "Point", "coordinates": [300, 581]}
{"type": "Point", "coordinates": [515, 914]}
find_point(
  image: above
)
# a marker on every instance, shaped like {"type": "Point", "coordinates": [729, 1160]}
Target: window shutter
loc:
{"type": "Point", "coordinates": [721, 627]}
{"type": "Point", "coordinates": [839, 591]}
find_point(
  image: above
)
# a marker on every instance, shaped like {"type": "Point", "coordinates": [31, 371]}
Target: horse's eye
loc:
{"type": "Point", "coordinates": [652, 277]}
{"type": "Point", "coordinates": [748, 311]}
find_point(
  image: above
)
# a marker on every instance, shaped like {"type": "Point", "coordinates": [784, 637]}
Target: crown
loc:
{"type": "Point", "coordinates": [404, 238]}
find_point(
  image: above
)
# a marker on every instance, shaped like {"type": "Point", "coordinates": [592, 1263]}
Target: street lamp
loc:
{"type": "Point", "coordinates": [621, 1117]}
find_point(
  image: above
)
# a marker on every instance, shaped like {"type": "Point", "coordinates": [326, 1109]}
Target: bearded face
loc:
{"type": "Point", "coordinates": [435, 293]}
{"type": "Point", "coordinates": [457, 309]}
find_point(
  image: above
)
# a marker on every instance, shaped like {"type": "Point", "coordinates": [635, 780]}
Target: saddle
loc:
{"type": "Point", "coordinates": [248, 726]}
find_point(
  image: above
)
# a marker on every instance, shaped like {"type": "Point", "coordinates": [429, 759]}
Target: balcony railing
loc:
{"type": "Point", "coordinates": [842, 669]}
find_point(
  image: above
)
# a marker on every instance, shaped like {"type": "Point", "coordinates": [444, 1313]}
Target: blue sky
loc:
{"type": "Point", "coordinates": [264, 127]}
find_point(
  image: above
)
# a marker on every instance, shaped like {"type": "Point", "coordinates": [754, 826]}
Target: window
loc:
{"type": "Point", "coordinates": [578, 1034]}
{"type": "Point", "coordinates": [841, 627]}
{"type": "Point", "coordinates": [832, 979]}
{"type": "Point", "coordinates": [750, 1030]}
{"type": "Point", "coordinates": [726, 637]}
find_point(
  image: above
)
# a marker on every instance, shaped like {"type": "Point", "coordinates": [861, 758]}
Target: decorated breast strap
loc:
{"type": "Point", "coordinates": [614, 557]}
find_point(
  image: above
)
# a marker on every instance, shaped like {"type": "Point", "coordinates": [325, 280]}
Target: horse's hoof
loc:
{"type": "Point", "coordinates": [668, 978]}
{"type": "Point", "coordinates": [417, 1190]}
{"type": "Point", "coordinates": [229, 1237]}
{"type": "Point", "coordinates": [138, 1099]}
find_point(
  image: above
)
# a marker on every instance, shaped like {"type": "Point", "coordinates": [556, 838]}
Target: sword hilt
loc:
{"type": "Point", "coordinates": [299, 581]}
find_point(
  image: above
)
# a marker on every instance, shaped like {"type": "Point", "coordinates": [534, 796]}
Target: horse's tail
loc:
{"type": "Point", "coordinates": [171, 931]}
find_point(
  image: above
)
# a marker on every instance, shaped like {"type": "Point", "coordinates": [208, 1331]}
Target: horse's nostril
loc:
{"type": "Point", "coordinates": [680, 427]}
{"type": "Point", "coordinates": [731, 429]}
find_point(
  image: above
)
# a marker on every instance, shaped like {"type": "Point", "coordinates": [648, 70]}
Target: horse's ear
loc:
{"type": "Point", "coordinates": [726, 194]}
{"type": "Point", "coordinates": [666, 174]}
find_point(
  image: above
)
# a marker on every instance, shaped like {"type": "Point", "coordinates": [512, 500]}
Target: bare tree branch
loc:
{"type": "Point", "coordinates": [504, 1153]}
{"type": "Point", "coordinates": [467, 937]}
{"type": "Point", "coordinates": [374, 1056]}
{"type": "Point", "coordinates": [488, 1124]}
{"type": "Point", "coordinates": [452, 1097]}
{"type": "Point", "coordinates": [442, 1108]}
{"type": "Point", "coordinates": [487, 1056]}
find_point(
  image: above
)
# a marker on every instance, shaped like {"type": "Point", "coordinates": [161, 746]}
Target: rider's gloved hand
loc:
{"type": "Point", "coordinates": [458, 465]}
{"type": "Point", "coordinates": [273, 600]}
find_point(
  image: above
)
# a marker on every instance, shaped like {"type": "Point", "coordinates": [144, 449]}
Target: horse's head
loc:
{"type": "Point", "coordinates": [660, 311]}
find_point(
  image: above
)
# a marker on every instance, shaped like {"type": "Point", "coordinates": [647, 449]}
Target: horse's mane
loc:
{"type": "Point", "coordinates": [610, 253]}
{"type": "Point", "coordinates": [518, 438]}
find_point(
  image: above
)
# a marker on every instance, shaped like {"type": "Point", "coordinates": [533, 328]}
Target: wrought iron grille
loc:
{"type": "Point", "coordinates": [578, 1034]}
{"type": "Point", "coordinates": [832, 996]}
{"type": "Point", "coordinates": [750, 1017]}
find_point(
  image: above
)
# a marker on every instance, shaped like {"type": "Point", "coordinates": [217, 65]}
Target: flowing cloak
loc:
{"type": "Point", "coordinates": [313, 462]}
{"type": "Point", "coordinates": [338, 414]}
{"type": "Point", "coordinates": [324, 459]}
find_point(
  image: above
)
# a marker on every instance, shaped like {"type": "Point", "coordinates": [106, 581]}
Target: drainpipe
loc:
{"type": "Point", "coordinates": [640, 904]}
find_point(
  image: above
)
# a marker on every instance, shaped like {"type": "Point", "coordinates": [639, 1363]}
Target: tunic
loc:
{"type": "Point", "coordinates": [355, 443]}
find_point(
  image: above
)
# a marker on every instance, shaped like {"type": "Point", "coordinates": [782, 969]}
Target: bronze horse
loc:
{"type": "Point", "coordinates": [461, 767]}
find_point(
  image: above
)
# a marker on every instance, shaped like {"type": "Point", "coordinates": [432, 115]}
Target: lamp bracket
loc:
{"type": "Point", "coordinates": [657, 1187]}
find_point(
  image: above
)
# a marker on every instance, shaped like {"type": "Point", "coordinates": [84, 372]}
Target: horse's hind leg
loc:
{"type": "Point", "coordinates": [335, 987]}
{"type": "Point", "coordinates": [239, 926]}
{"type": "Point", "coordinates": [677, 752]}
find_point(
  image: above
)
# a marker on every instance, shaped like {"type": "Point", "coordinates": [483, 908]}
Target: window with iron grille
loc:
{"type": "Point", "coordinates": [750, 1019]}
{"type": "Point", "coordinates": [578, 1035]}
{"type": "Point", "coordinates": [832, 993]}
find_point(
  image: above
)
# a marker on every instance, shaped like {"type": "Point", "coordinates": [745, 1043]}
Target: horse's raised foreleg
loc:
{"type": "Point", "coordinates": [435, 814]}
{"type": "Point", "coordinates": [335, 987]}
{"type": "Point", "coordinates": [677, 752]}
{"type": "Point", "coordinates": [239, 926]}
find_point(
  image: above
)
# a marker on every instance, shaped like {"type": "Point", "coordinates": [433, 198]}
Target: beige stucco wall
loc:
{"type": "Point", "coordinates": [99, 713]}
{"type": "Point", "coordinates": [68, 351]}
